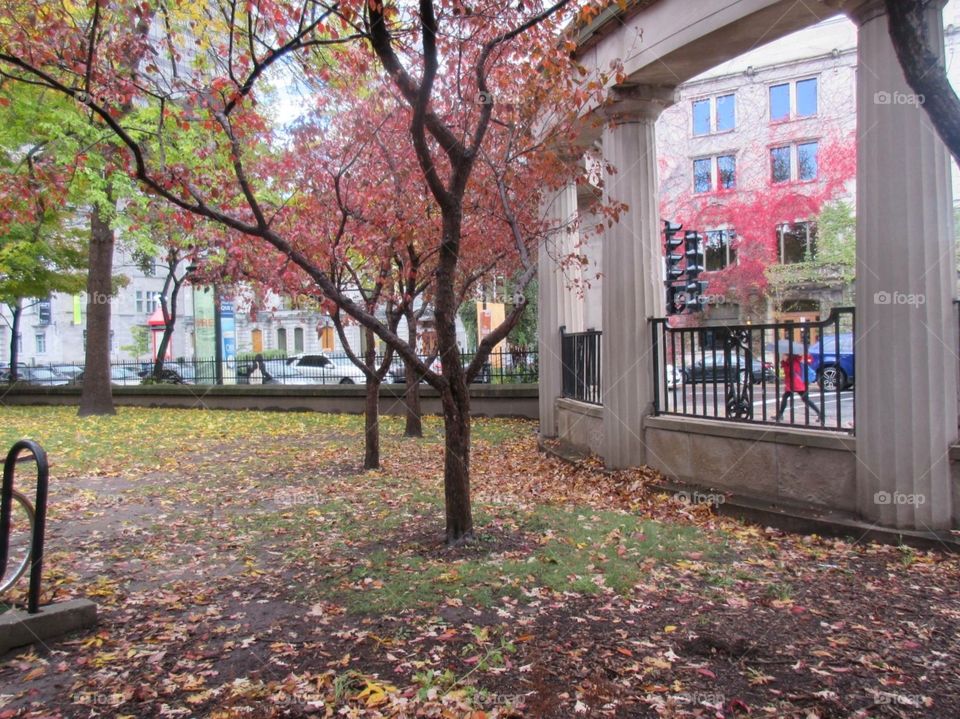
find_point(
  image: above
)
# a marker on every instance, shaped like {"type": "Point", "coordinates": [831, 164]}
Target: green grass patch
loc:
{"type": "Point", "coordinates": [561, 549]}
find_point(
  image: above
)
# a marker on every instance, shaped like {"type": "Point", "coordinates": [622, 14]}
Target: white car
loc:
{"type": "Point", "coordinates": [321, 369]}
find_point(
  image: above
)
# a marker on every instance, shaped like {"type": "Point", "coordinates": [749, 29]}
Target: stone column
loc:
{"type": "Point", "coordinates": [633, 277]}
{"type": "Point", "coordinates": [558, 303]}
{"type": "Point", "coordinates": [906, 323]}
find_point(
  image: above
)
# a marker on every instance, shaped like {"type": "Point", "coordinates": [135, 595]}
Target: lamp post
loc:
{"type": "Point", "coordinates": [217, 337]}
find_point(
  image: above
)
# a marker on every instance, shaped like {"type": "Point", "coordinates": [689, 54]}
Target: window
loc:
{"type": "Point", "coordinates": [298, 340]}
{"type": "Point", "coordinates": [780, 164]}
{"type": "Point", "coordinates": [726, 172]}
{"type": "Point", "coordinates": [714, 115]}
{"type": "Point", "coordinates": [718, 252]}
{"type": "Point", "coordinates": [282, 340]}
{"type": "Point", "coordinates": [701, 117]}
{"type": "Point", "coordinates": [780, 102]}
{"type": "Point", "coordinates": [41, 339]}
{"type": "Point", "coordinates": [702, 180]}
{"type": "Point", "coordinates": [147, 302]}
{"type": "Point", "coordinates": [798, 242]}
{"type": "Point", "coordinates": [807, 160]}
{"type": "Point", "coordinates": [44, 312]}
{"type": "Point", "coordinates": [801, 95]}
{"type": "Point", "coordinates": [807, 97]}
{"type": "Point", "coordinates": [725, 113]}
{"type": "Point", "coordinates": [256, 338]}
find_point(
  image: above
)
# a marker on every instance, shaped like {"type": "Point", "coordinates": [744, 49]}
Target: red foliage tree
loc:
{"type": "Point", "coordinates": [477, 125]}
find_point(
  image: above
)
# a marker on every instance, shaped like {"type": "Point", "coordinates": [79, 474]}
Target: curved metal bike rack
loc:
{"type": "Point", "coordinates": [38, 456]}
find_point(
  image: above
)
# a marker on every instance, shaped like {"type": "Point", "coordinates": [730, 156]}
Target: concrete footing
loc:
{"type": "Point", "coordinates": [18, 629]}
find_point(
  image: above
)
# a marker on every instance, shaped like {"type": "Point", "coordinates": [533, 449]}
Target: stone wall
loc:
{"type": "Point", "coordinates": [507, 400]}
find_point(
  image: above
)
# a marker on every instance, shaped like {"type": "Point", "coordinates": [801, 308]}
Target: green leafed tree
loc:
{"type": "Point", "coordinates": [41, 251]}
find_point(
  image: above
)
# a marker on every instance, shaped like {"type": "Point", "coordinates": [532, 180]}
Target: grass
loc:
{"type": "Point", "coordinates": [287, 491]}
{"type": "Point", "coordinates": [562, 549]}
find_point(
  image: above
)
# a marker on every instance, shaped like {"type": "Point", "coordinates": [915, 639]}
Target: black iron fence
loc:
{"type": "Point", "coordinates": [501, 367]}
{"type": "Point", "coordinates": [786, 373]}
{"type": "Point", "coordinates": [580, 361]}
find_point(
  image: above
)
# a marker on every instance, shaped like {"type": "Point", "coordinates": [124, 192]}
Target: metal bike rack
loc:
{"type": "Point", "coordinates": [38, 456]}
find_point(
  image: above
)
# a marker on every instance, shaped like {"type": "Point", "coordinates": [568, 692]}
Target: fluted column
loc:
{"type": "Point", "coordinates": [906, 362]}
{"type": "Point", "coordinates": [558, 305]}
{"type": "Point", "coordinates": [632, 259]}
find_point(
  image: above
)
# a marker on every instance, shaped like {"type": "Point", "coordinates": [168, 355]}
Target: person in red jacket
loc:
{"type": "Point", "coordinates": [795, 383]}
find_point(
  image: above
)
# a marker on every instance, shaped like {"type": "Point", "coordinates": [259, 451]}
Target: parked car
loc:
{"type": "Point", "coordinates": [118, 376]}
{"type": "Point", "coordinates": [41, 375]}
{"type": "Point", "coordinates": [484, 376]}
{"type": "Point", "coordinates": [711, 367]}
{"type": "Point", "coordinates": [68, 370]}
{"type": "Point", "coordinates": [834, 369]}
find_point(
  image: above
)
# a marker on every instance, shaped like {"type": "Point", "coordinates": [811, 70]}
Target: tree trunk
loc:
{"type": "Point", "coordinates": [454, 395]}
{"type": "Point", "coordinates": [371, 429]}
{"type": "Point", "coordinates": [96, 396]}
{"type": "Point", "coordinates": [456, 465]}
{"type": "Point", "coordinates": [411, 394]}
{"type": "Point", "coordinates": [170, 321]}
{"type": "Point", "coordinates": [15, 340]}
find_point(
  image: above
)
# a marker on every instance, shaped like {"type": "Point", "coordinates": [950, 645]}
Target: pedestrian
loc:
{"type": "Point", "coordinates": [259, 374]}
{"type": "Point", "coordinates": [795, 379]}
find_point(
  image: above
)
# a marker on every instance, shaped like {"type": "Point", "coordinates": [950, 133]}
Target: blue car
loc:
{"type": "Point", "coordinates": [834, 369]}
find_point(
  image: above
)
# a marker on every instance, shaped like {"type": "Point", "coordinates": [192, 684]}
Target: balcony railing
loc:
{"type": "Point", "coordinates": [797, 374]}
{"type": "Point", "coordinates": [580, 359]}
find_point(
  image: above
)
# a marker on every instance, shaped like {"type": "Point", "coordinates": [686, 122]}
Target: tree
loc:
{"type": "Point", "coordinates": [39, 252]}
{"type": "Point", "coordinates": [139, 342]}
{"type": "Point", "coordinates": [923, 67]}
{"type": "Point", "coordinates": [486, 143]}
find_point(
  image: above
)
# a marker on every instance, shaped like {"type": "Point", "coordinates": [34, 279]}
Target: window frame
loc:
{"type": "Point", "coordinates": [719, 181]}
{"type": "Point", "coordinates": [727, 235]}
{"type": "Point", "coordinates": [816, 160]}
{"type": "Point", "coordinates": [773, 164]}
{"type": "Point", "coordinates": [712, 103]}
{"type": "Point", "coordinates": [708, 101]}
{"type": "Point", "coordinates": [793, 112]}
{"type": "Point", "coordinates": [809, 244]}
{"type": "Point", "coordinates": [710, 183]}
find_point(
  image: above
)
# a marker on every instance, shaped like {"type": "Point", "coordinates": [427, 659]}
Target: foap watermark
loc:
{"type": "Point", "coordinates": [490, 97]}
{"type": "Point", "coordinates": [685, 299]}
{"type": "Point", "coordinates": [898, 498]}
{"type": "Point", "coordinates": [292, 497]}
{"type": "Point", "coordinates": [493, 700]}
{"type": "Point", "coordinates": [883, 97]}
{"type": "Point", "coordinates": [899, 298]}
{"type": "Point", "coordinates": [714, 500]}
{"type": "Point", "coordinates": [711, 699]}
{"type": "Point", "coordinates": [99, 699]}
{"type": "Point", "coordinates": [897, 699]}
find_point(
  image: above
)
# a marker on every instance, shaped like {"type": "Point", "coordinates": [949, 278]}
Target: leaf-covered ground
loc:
{"type": "Point", "coordinates": [246, 567]}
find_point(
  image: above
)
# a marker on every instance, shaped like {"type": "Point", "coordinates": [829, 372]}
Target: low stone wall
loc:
{"type": "Point", "coordinates": [784, 466]}
{"type": "Point", "coordinates": [580, 424]}
{"type": "Point", "coordinates": [495, 400]}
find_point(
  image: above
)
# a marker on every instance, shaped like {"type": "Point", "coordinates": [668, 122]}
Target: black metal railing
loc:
{"type": "Point", "coordinates": [513, 366]}
{"type": "Point", "coordinates": [782, 373]}
{"type": "Point", "coordinates": [22, 541]}
{"type": "Point", "coordinates": [580, 362]}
